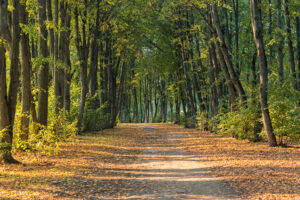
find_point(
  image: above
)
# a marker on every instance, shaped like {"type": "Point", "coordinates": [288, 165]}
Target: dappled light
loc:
{"type": "Point", "coordinates": [166, 161]}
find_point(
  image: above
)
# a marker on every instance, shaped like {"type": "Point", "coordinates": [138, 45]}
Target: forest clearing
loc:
{"type": "Point", "coordinates": [149, 99]}
{"type": "Point", "coordinates": [155, 161]}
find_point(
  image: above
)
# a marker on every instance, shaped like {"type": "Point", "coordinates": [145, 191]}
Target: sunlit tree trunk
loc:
{"type": "Point", "coordinates": [8, 101]}
{"type": "Point", "coordinates": [258, 37]}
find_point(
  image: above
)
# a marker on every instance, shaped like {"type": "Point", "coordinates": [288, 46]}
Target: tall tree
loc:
{"type": "Point", "coordinates": [255, 8]}
{"type": "Point", "coordinates": [8, 101]}
{"type": "Point", "coordinates": [82, 45]}
{"type": "Point", "coordinates": [26, 70]}
{"type": "Point", "coordinates": [43, 71]}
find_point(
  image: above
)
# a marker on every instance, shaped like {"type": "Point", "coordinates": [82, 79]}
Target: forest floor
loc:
{"type": "Point", "coordinates": [155, 161]}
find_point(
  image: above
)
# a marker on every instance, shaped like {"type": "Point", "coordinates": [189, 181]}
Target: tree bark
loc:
{"type": "Point", "coordinates": [51, 33]}
{"type": "Point", "coordinates": [8, 102]}
{"type": "Point", "coordinates": [222, 45]}
{"type": "Point", "coordinates": [298, 50]}
{"type": "Point", "coordinates": [280, 45]}
{"type": "Point", "coordinates": [93, 80]}
{"type": "Point", "coordinates": [59, 53]}
{"type": "Point", "coordinates": [290, 43]}
{"type": "Point", "coordinates": [26, 69]}
{"type": "Point", "coordinates": [258, 37]}
{"type": "Point", "coordinates": [14, 65]}
{"type": "Point", "coordinates": [43, 68]}
{"type": "Point", "coordinates": [67, 61]}
{"type": "Point", "coordinates": [82, 53]}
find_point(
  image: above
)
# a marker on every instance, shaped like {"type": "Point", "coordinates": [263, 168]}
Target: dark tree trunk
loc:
{"type": "Point", "coordinates": [93, 80]}
{"type": "Point", "coordinates": [298, 49]}
{"type": "Point", "coordinates": [135, 104]}
{"type": "Point", "coordinates": [43, 69]}
{"type": "Point", "coordinates": [280, 45]}
{"type": "Point", "coordinates": [5, 126]}
{"type": "Point", "coordinates": [213, 86]}
{"type": "Point", "coordinates": [191, 107]}
{"type": "Point", "coordinates": [51, 32]}
{"type": "Point", "coordinates": [226, 55]}
{"type": "Point", "coordinates": [26, 68]}
{"type": "Point", "coordinates": [8, 101]}
{"type": "Point", "coordinates": [121, 88]}
{"type": "Point", "coordinates": [14, 65]}
{"type": "Point", "coordinates": [59, 53]}
{"type": "Point", "coordinates": [237, 29]}
{"type": "Point", "coordinates": [258, 37]}
{"type": "Point", "coordinates": [82, 45]}
{"type": "Point", "coordinates": [67, 61]}
{"type": "Point", "coordinates": [290, 43]}
{"type": "Point", "coordinates": [163, 102]}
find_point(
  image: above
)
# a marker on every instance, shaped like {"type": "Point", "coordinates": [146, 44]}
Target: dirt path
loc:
{"type": "Point", "coordinates": [165, 171]}
{"type": "Point", "coordinates": [135, 161]}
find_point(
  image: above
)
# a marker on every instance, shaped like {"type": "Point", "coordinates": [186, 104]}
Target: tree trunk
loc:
{"type": "Point", "coordinates": [280, 45]}
{"type": "Point", "coordinates": [298, 50]}
{"type": "Point", "coordinates": [290, 43]}
{"type": "Point", "coordinates": [222, 45]}
{"type": "Point", "coordinates": [258, 37]}
{"type": "Point", "coordinates": [14, 65]}
{"type": "Point", "coordinates": [93, 80]}
{"type": "Point", "coordinates": [43, 69]}
{"type": "Point", "coordinates": [8, 102]}
{"type": "Point", "coordinates": [191, 108]}
{"type": "Point", "coordinates": [135, 104]}
{"type": "Point", "coordinates": [26, 69]}
{"type": "Point", "coordinates": [237, 29]}
{"type": "Point", "coordinates": [67, 61]}
{"type": "Point", "coordinates": [59, 44]}
{"type": "Point", "coordinates": [82, 53]}
{"type": "Point", "coordinates": [5, 127]}
{"type": "Point", "coordinates": [51, 32]}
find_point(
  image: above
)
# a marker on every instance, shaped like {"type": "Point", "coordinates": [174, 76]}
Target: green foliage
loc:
{"type": "Point", "coordinates": [284, 113]}
{"type": "Point", "coordinates": [242, 124]}
{"type": "Point", "coordinates": [45, 140]}
{"type": "Point", "coordinates": [96, 119]}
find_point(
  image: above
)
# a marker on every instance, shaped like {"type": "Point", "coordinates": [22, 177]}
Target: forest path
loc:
{"type": "Point", "coordinates": [132, 161]}
{"type": "Point", "coordinates": [166, 171]}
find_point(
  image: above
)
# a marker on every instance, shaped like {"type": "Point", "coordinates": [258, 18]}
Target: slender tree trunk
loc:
{"type": "Point", "coordinates": [290, 43]}
{"type": "Point", "coordinates": [141, 107]}
{"type": "Point", "coordinates": [8, 102]}
{"type": "Point", "coordinates": [237, 29]}
{"type": "Point", "coordinates": [83, 53]}
{"type": "Point", "coordinates": [258, 37]}
{"type": "Point", "coordinates": [298, 49]}
{"type": "Point", "coordinates": [191, 107]}
{"type": "Point", "coordinates": [51, 32]}
{"type": "Point", "coordinates": [5, 128]}
{"type": "Point", "coordinates": [135, 104]}
{"type": "Point", "coordinates": [121, 88]}
{"type": "Point", "coordinates": [93, 80]}
{"type": "Point", "coordinates": [26, 69]}
{"type": "Point", "coordinates": [280, 45]}
{"type": "Point", "coordinates": [226, 55]}
{"type": "Point", "coordinates": [14, 65]}
{"type": "Point", "coordinates": [151, 101]}
{"type": "Point", "coordinates": [43, 69]}
{"type": "Point", "coordinates": [67, 61]}
{"type": "Point", "coordinates": [59, 39]}
{"type": "Point", "coordinates": [270, 28]}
